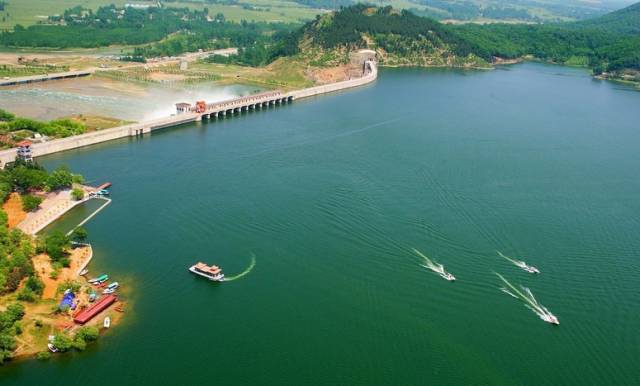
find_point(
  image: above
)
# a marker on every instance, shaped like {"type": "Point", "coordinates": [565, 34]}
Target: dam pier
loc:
{"type": "Point", "coordinates": [187, 113]}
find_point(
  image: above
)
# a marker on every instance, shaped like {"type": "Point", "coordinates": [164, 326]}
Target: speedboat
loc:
{"type": "Point", "coordinates": [51, 347]}
{"type": "Point", "coordinates": [550, 318]}
{"type": "Point", "coordinates": [531, 269]}
{"type": "Point", "coordinates": [92, 297]}
{"type": "Point", "coordinates": [103, 192]}
{"type": "Point", "coordinates": [448, 276]}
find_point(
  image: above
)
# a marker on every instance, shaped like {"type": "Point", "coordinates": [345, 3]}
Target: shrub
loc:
{"type": "Point", "coordinates": [26, 295]}
{"type": "Point", "coordinates": [6, 116]}
{"type": "Point", "coordinates": [43, 355]}
{"type": "Point", "coordinates": [79, 235]}
{"type": "Point", "coordinates": [30, 202]}
{"type": "Point", "coordinates": [62, 342]}
{"type": "Point", "coordinates": [77, 194]}
{"type": "Point", "coordinates": [74, 286]}
{"type": "Point", "coordinates": [88, 333]}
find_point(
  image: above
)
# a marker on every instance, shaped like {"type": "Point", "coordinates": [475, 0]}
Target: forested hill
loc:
{"type": "Point", "coordinates": [607, 43]}
{"type": "Point", "coordinates": [625, 21]}
{"type": "Point", "coordinates": [400, 37]}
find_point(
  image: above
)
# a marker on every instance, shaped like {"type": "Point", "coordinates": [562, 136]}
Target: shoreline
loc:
{"type": "Point", "coordinates": [211, 111]}
{"type": "Point", "coordinates": [53, 323]}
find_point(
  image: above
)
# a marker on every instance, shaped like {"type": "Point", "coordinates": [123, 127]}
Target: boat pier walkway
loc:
{"type": "Point", "coordinates": [193, 114]}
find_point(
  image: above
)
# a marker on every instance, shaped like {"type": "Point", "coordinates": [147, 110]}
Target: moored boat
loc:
{"type": "Point", "coordinates": [51, 347]}
{"type": "Point", "coordinates": [107, 322]}
{"type": "Point", "coordinates": [84, 272]}
{"type": "Point", "coordinates": [211, 272]}
{"type": "Point", "coordinates": [99, 279]}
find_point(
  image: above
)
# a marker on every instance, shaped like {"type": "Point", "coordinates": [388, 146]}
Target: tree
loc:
{"type": "Point", "coordinates": [88, 333]}
{"type": "Point", "coordinates": [79, 235]}
{"type": "Point", "coordinates": [62, 342]}
{"type": "Point", "coordinates": [60, 178]}
{"type": "Point", "coordinates": [77, 194]}
{"type": "Point", "coordinates": [55, 245]}
{"type": "Point", "coordinates": [30, 202]}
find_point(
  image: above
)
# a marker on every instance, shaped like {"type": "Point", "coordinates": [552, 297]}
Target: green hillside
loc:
{"type": "Point", "coordinates": [604, 44]}
{"type": "Point", "coordinates": [625, 21]}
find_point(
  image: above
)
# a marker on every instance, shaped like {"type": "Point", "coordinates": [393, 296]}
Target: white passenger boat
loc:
{"type": "Point", "coordinates": [211, 272]}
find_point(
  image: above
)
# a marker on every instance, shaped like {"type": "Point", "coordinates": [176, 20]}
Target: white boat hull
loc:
{"type": "Point", "coordinates": [212, 278]}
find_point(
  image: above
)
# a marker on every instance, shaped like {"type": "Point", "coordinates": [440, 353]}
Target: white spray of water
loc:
{"type": "Point", "coordinates": [519, 263]}
{"type": "Point", "coordinates": [245, 272]}
{"type": "Point", "coordinates": [527, 297]}
{"type": "Point", "coordinates": [434, 266]}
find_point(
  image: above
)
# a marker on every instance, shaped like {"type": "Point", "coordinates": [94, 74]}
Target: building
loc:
{"type": "Point", "coordinates": [24, 150]}
{"type": "Point", "coordinates": [183, 107]}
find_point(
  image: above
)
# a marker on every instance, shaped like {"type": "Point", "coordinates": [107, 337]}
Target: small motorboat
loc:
{"type": "Point", "coordinates": [550, 318]}
{"type": "Point", "coordinates": [92, 297]}
{"type": "Point", "coordinates": [111, 288]}
{"type": "Point", "coordinates": [84, 272]}
{"type": "Point", "coordinates": [99, 279]}
{"type": "Point", "coordinates": [448, 276]}
{"type": "Point", "coordinates": [107, 322]}
{"type": "Point", "coordinates": [52, 348]}
{"type": "Point", "coordinates": [531, 269]}
{"type": "Point", "coordinates": [102, 192]}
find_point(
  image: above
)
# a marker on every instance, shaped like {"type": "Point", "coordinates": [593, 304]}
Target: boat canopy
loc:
{"type": "Point", "coordinates": [214, 269]}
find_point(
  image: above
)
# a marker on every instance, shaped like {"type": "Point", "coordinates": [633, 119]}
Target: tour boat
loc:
{"type": "Point", "coordinates": [212, 272]}
{"type": "Point", "coordinates": [107, 322]}
{"type": "Point", "coordinates": [99, 279]}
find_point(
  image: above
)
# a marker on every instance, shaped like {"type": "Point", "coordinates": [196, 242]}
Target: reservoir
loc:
{"type": "Point", "coordinates": [330, 195]}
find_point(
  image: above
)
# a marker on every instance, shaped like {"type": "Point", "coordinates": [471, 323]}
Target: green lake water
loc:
{"type": "Point", "coordinates": [331, 194]}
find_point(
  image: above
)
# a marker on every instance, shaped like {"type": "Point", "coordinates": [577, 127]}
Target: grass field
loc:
{"type": "Point", "coordinates": [27, 12]}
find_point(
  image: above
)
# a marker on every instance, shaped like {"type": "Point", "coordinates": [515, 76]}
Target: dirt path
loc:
{"type": "Point", "coordinates": [13, 208]}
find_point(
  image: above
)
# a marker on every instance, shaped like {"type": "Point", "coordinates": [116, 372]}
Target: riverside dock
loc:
{"type": "Point", "coordinates": [211, 111]}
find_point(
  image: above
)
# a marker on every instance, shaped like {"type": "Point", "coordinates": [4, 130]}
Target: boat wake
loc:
{"type": "Point", "coordinates": [529, 300]}
{"type": "Point", "coordinates": [434, 266]}
{"type": "Point", "coordinates": [245, 272]}
{"type": "Point", "coordinates": [520, 264]}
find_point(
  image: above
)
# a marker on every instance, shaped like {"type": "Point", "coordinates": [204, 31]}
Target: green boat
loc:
{"type": "Point", "coordinates": [99, 279]}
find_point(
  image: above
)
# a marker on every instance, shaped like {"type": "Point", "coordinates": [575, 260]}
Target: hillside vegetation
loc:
{"type": "Point", "coordinates": [400, 37]}
{"type": "Point", "coordinates": [604, 44]}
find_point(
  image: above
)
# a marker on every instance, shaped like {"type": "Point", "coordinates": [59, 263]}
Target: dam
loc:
{"type": "Point", "coordinates": [187, 113]}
